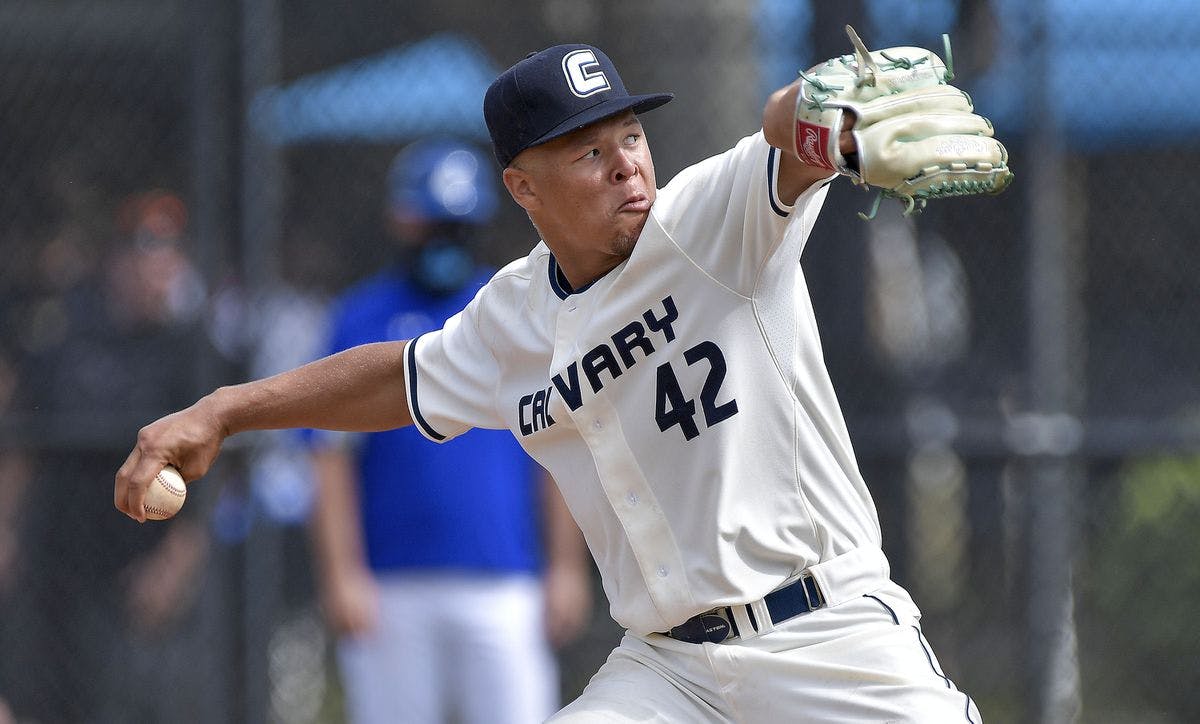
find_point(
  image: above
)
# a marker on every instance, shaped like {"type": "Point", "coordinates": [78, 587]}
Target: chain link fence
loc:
{"type": "Point", "coordinates": [186, 185]}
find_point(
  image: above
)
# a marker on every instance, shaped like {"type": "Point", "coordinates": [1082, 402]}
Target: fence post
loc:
{"type": "Point", "coordinates": [1051, 432]}
{"type": "Point", "coordinates": [261, 213]}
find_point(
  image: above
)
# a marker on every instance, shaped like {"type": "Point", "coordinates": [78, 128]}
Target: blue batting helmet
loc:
{"type": "Point", "coordinates": [442, 180]}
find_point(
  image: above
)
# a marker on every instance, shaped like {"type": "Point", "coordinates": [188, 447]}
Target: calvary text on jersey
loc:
{"type": "Point", "coordinates": [626, 347]}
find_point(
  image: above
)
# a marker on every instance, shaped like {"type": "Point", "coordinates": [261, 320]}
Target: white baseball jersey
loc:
{"type": "Point", "coordinates": [680, 401]}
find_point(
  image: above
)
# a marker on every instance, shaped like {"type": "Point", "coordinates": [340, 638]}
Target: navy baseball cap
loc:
{"type": "Point", "coordinates": [553, 92]}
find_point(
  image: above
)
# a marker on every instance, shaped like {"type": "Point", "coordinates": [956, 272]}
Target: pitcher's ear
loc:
{"type": "Point", "coordinates": [521, 187]}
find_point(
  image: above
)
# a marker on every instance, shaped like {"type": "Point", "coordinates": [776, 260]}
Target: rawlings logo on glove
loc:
{"type": "Point", "coordinates": [917, 137]}
{"type": "Point", "coordinates": [812, 149]}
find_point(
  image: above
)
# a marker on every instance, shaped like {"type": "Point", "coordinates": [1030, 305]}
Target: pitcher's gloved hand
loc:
{"type": "Point", "coordinates": [917, 137]}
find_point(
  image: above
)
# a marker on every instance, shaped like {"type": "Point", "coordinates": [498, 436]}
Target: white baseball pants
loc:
{"type": "Point", "coordinates": [464, 648]}
{"type": "Point", "coordinates": [864, 660]}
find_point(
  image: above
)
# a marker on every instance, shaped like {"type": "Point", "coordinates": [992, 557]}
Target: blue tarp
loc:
{"type": "Point", "coordinates": [433, 86]}
{"type": "Point", "coordinates": [1119, 73]}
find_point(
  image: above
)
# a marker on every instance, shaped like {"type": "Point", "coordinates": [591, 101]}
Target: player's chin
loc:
{"type": "Point", "coordinates": [627, 233]}
{"type": "Point", "coordinates": [622, 244]}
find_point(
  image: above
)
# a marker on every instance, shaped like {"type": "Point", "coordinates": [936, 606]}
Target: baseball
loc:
{"type": "Point", "coordinates": [166, 494]}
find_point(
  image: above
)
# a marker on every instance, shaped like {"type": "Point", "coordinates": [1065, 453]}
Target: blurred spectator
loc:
{"type": "Point", "coordinates": [90, 631]}
{"type": "Point", "coordinates": [14, 479]}
{"type": "Point", "coordinates": [430, 557]}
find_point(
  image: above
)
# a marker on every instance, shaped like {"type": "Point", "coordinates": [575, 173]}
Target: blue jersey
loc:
{"type": "Point", "coordinates": [472, 504]}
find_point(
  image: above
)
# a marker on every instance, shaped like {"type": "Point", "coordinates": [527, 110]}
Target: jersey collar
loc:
{"type": "Point", "coordinates": [559, 283]}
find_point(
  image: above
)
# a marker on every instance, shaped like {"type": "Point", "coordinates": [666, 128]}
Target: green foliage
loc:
{"type": "Point", "coordinates": [1141, 591]}
{"type": "Point", "coordinates": [1155, 491]}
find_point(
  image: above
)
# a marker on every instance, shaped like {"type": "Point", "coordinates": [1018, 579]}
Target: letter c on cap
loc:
{"type": "Point", "coordinates": [583, 74]}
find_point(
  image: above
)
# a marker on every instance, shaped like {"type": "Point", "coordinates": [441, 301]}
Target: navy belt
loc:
{"type": "Point", "coordinates": [717, 625]}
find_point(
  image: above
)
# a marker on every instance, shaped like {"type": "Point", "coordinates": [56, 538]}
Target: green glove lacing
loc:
{"type": "Point", "coordinates": [915, 203]}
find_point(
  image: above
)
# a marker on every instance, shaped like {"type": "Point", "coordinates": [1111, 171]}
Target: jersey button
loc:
{"type": "Point", "coordinates": [632, 497]}
{"type": "Point", "coordinates": [663, 571]}
{"type": "Point", "coordinates": [597, 425]}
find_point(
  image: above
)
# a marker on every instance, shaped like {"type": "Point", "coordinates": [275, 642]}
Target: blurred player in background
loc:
{"type": "Point", "coordinates": [431, 557]}
{"type": "Point", "coordinates": [104, 615]}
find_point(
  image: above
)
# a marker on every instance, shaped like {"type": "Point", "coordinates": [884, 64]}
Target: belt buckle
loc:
{"type": "Point", "coordinates": [812, 592]}
{"type": "Point", "coordinates": [710, 626]}
{"type": "Point", "coordinates": [716, 628]}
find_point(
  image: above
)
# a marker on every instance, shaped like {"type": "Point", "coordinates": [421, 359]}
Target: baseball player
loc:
{"type": "Point", "coordinates": [657, 353]}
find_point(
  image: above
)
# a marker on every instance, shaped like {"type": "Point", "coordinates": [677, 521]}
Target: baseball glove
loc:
{"type": "Point", "coordinates": [917, 136]}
